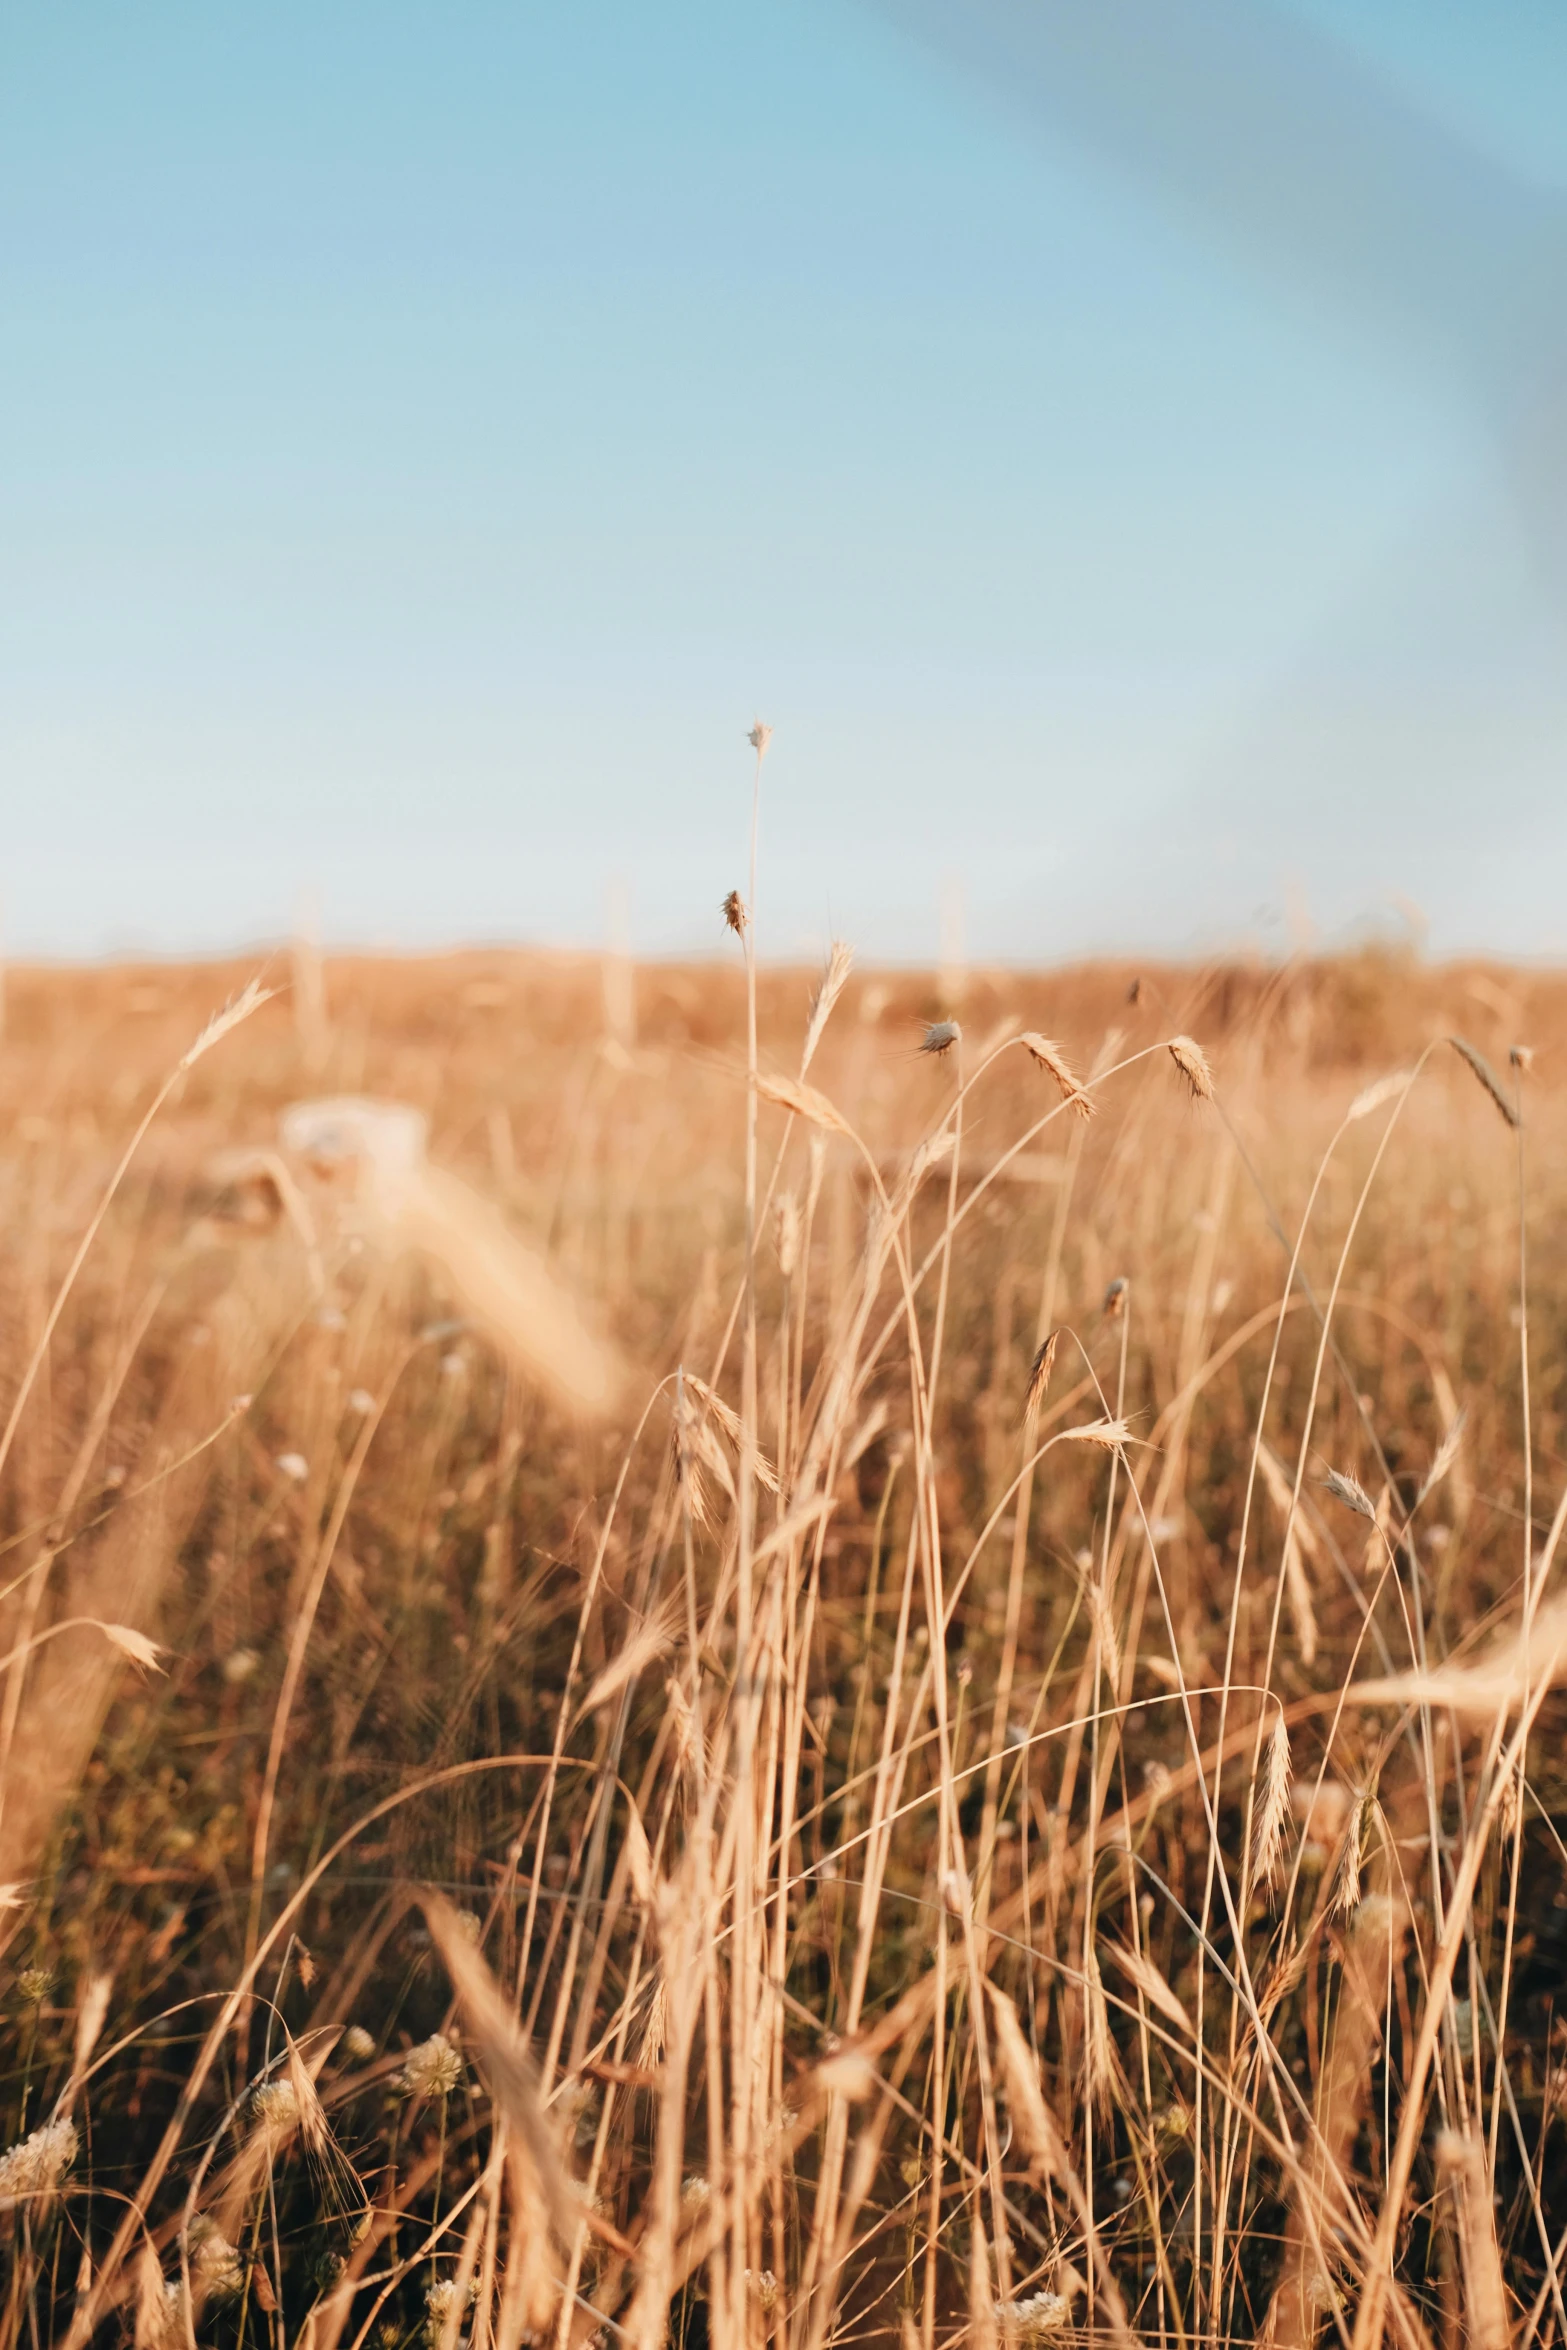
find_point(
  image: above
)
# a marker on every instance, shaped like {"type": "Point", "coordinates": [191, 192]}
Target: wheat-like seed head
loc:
{"type": "Point", "coordinates": [1273, 1805]}
{"type": "Point", "coordinates": [1104, 1629]}
{"type": "Point", "coordinates": [1192, 1062]}
{"type": "Point", "coordinates": [804, 1101]}
{"type": "Point", "coordinates": [1039, 1371]}
{"type": "Point", "coordinates": [1487, 1076]}
{"type": "Point", "coordinates": [1109, 1435]}
{"type": "Point", "coordinates": [840, 962]}
{"type": "Point", "coordinates": [250, 999]}
{"type": "Point", "coordinates": [1372, 1097]}
{"type": "Point", "coordinates": [1050, 1057]}
{"type": "Point", "coordinates": [1446, 1454]}
{"type": "Point", "coordinates": [1351, 1493]}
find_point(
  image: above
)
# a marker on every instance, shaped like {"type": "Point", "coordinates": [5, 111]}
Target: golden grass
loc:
{"type": "Point", "coordinates": [642, 1699]}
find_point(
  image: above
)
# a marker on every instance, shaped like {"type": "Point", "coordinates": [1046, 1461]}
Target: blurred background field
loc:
{"type": "Point", "coordinates": [390, 1569]}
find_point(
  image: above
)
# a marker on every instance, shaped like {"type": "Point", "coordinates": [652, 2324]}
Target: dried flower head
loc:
{"type": "Point", "coordinates": [293, 1466]}
{"type": "Point", "coordinates": [734, 913]}
{"type": "Point", "coordinates": [433, 2069]}
{"type": "Point", "coordinates": [694, 2191]}
{"type": "Point", "coordinates": [759, 737]}
{"type": "Point", "coordinates": [444, 2296]}
{"type": "Point", "coordinates": [1521, 1056]}
{"type": "Point", "coordinates": [1039, 1371]}
{"type": "Point", "coordinates": [940, 1037]}
{"type": "Point", "coordinates": [1051, 1058]}
{"type": "Point", "coordinates": [215, 2265]}
{"type": "Point", "coordinates": [36, 2164]}
{"type": "Point", "coordinates": [33, 1985]}
{"type": "Point", "coordinates": [762, 2287]}
{"type": "Point", "coordinates": [1192, 1062]}
{"type": "Point", "coordinates": [276, 2107]}
{"type": "Point", "coordinates": [357, 2044]}
{"type": "Point", "coordinates": [1115, 1298]}
{"type": "Point", "coordinates": [1036, 2318]}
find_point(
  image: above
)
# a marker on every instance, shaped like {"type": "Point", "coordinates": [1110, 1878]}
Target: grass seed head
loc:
{"type": "Point", "coordinates": [1372, 1097]}
{"type": "Point", "coordinates": [734, 913]}
{"type": "Point", "coordinates": [940, 1037]}
{"type": "Point", "coordinates": [1050, 1058]}
{"type": "Point", "coordinates": [759, 737]}
{"type": "Point", "coordinates": [1039, 1371]}
{"type": "Point", "coordinates": [1487, 1076]}
{"type": "Point", "coordinates": [840, 962]}
{"type": "Point", "coordinates": [1272, 1806]}
{"type": "Point", "coordinates": [1109, 1435]}
{"type": "Point", "coordinates": [1351, 1493]}
{"type": "Point", "coordinates": [135, 1645]}
{"type": "Point", "coordinates": [1192, 1062]}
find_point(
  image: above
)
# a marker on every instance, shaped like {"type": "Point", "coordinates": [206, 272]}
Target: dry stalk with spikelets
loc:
{"type": "Point", "coordinates": [866, 1809]}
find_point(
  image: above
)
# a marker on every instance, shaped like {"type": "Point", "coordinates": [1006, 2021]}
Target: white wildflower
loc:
{"type": "Point", "coordinates": [36, 2164]}
{"type": "Point", "coordinates": [433, 2069]}
{"type": "Point", "coordinates": [441, 2298]}
{"type": "Point", "coordinates": [216, 2267]}
{"type": "Point", "coordinates": [276, 2107]}
{"type": "Point", "coordinates": [1037, 2318]}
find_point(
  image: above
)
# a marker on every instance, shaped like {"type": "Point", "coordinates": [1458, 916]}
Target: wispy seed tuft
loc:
{"type": "Point", "coordinates": [1351, 1493]}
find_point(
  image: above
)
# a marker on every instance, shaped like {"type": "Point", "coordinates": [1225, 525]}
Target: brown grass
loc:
{"type": "Point", "coordinates": [738, 1753]}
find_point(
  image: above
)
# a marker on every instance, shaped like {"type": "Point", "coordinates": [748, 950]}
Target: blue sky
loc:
{"type": "Point", "coordinates": [429, 435]}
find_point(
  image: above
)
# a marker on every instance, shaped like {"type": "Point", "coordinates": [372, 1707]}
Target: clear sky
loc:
{"type": "Point", "coordinates": [1131, 483]}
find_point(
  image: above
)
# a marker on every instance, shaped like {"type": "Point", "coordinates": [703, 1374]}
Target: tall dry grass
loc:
{"type": "Point", "coordinates": [804, 1691]}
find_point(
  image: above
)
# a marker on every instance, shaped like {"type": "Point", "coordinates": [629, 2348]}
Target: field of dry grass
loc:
{"type": "Point", "coordinates": [680, 1790]}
